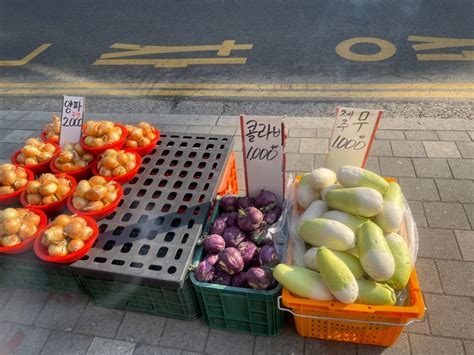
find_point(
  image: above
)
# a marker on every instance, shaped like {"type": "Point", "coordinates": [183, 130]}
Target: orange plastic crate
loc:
{"type": "Point", "coordinates": [229, 184]}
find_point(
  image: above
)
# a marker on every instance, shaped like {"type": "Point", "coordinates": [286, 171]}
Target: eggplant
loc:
{"type": "Point", "coordinates": [260, 236]}
{"type": "Point", "coordinates": [214, 243]}
{"type": "Point", "coordinates": [229, 204]}
{"type": "Point", "coordinates": [221, 278]}
{"type": "Point", "coordinates": [250, 219]}
{"type": "Point", "coordinates": [272, 216]}
{"type": "Point", "coordinates": [219, 226]}
{"type": "Point", "coordinates": [233, 236]}
{"type": "Point", "coordinates": [240, 280]}
{"type": "Point", "coordinates": [259, 278]}
{"type": "Point", "coordinates": [204, 272]}
{"type": "Point", "coordinates": [266, 201]}
{"type": "Point", "coordinates": [268, 256]}
{"type": "Point", "coordinates": [244, 202]}
{"type": "Point", "coordinates": [248, 250]}
{"type": "Point", "coordinates": [230, 261]}
{"type": "Point", "coordinates": [211, 258]}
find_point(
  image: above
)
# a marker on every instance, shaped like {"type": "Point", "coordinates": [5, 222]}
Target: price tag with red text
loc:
{"type": "Point", "coordinates": [72, 119]}
{"type": "Point", "coordinates": [263, 143]}
{"type": "Point", "coordinates": [352, 137]}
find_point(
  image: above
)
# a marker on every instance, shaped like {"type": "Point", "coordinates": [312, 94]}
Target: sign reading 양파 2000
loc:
{"type": "Point", "coordinates": [352, 136]}
{"type": "Point", "coordinates": [263, 141]}
{"type": "Point", "coordinates": [72, 119]}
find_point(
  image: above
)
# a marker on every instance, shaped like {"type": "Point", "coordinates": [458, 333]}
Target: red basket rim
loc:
{"type": "Point", "coordinates": [115, 145]}
{"type": "Point", "coordinates": [30, 177]}
{"type": "Point", "coordinates": [53, 205]}
{"type": "Point", "coordinates": [126, 177]}
{"type": "Point", "coordinates": [41, 251]}
{"type": "Point", "coordinates": [106, 210]}
{"type": "Point", "coordinates": [27, 243]}
{"type": "Point", "coordinates": [55, 170]}
{"type": "Point", "coordinates": [146, 148]}
{"type": "Point", "coordinates": [42, 165]}
{"type": "Point", "coordinates": [47, 140]}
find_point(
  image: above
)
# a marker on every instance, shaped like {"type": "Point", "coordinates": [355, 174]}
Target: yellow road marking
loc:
{"type": "Point", "coordinates": [170, 63]}
{"type": "Point", "coordinates": [465, 56]}
{"type": "Point", "coordinates": [26, 59]}
{"type": "Point", "coordinates": [439, 42]}
{"type": "Point", "coordinates": [387, 49]}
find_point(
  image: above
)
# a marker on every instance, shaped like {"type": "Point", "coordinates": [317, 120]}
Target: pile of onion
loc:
{"type": "Point", "coordinates": [140, 135]}
{"type": "Point", "coordinates": [35, 152]}
{"type": "Point", "coordinates": [47, 189]}
{"type": "Point", "coordinates": [94, 194]}
{"type": "Point", "coordinates": [12, 178]}
{"type": "Point", "coordinates": [17, 225]}
{"type": "Point", "coordinates": [67, 234]}
{"type": "Point", "coordinates": [116, 163]}
{"type": "Point", "coordinates": [72, 157]}
{"type": "Point", "coordinates": [101, 133]}
{"type": "Point", "coordinates": [52, 129]}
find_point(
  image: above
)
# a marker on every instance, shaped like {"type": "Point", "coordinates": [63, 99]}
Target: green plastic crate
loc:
{"type": "Point", "coordinates": [16, 271]}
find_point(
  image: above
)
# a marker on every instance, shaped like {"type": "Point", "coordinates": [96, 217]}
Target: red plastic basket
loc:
{"type": "Point", "coordinates": [229, 184]}
{"type": "Point", "coordinates": [38, 168]}
{"type": "Point", "coordinates": [123, 179]}
{"type": "Point", "coordinates": [101, 213]}
{"type": "Point", "coordinates": [27, 243]}
{"type": "Point", "coordinates": [15, 196]}
{"type": "Point", "coordinates": [55, 206]}
{"type": "Point", "coordinates": [99, 150]}
{"type": "Point", "coordinates": [146, 149]}
{"type": "Point", "coordinates": [42, 252]}
{"type": "Point", "coordinates": [79, 174]}
{"type": "Point", "coordinates": [47, 140]}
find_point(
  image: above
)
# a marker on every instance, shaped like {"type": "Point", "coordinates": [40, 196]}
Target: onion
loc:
{"type": "Point", "coordinates": [21, 173]}
{"type": "Point", "coordinates": [94, 206]}
{"type": "Point", "coordinates": [79, 203]}
{"type": "Point", "coordinates": [74, 229]}
{"type": "Point", "coordinates": [31, 217]}
{"type": "Point", "coordinates": [97, 180]}
{"type": "Point", "coordinates": [130, 156]}
{"type": "Point", "coordinates": [48, 177]}
{"type": "Point", "coordinates": [82, 187]}
{"type": "Point", "coordinates": [8, 213]}
{"type": "Point", "coordinates": [33, 187]}
{"type": "Point", "coordinates": [136, 134]}
{"type": "Point", "coordinates": [5, 190]}
{"type": "Point", "coordinates": [12, 225]}
{"type": "Point", "coordinates": [75, 245]}
{"type": "Point", "coordinates": [22, 212]}
{"type": "Point", "coordinates": [110, 197]}
{"type": "Point", "coordinates": [49, 199]}
{"type": "Point", "coordinates": [109, 162]}
{"type": "Point", "coordinates": [31, 161]}
{"type": "Point", "coordinates": [114, 136]}
{"type": "Point", "coordinates": [20, 158]}
{"type": "Point", "coordinates": [62, 190]}
{"type": "Point", "coordinates": [11, 240]}
{"type": "Point", "coordinates": [33, 199]}
{"type": "Point", "coordinates": [45, 242]}
{"type": "Point", "coordinates": [105, 127]}
{"type": "Point", "coordinates": [98, 142]}
{"type": "Point", "coordinates": [33, 142]}
{"type": "Point", "coordinates": [144, 141]}
{"type": "Point", "coordinates": [62, 220]}
{"type": "Point", "coordinates": [119, 170]}
{"type": "Point", "coordinates": [96, 193]}
{"type": "Point", "coordinates": [109, 152]}
{"type": "Point", "coordinates": [30, 151]}
{"type": "Point", "coordinates": [89, 141]}
{"type": "Point", "coordinates": [44, 156]}
{"type": "Point", "coordinates": [80, 220]}
{"type": "Point", "coordinates": [9, 177]}
{"type": "Point", "coordinates": [19, 183]}
{"type": "Point", "coordinates": [88, 157]}
{"type": "Point", "coordinates": [66, 156]}
{"type": "Point", "coordinates": [48, 189]}
{"type": "Point", "coordinates": [67, 167]}
{"type": "Point", "coordinates": [87, 233]}
{"type": "Point", "coordinates": [105, 172]}
{"type": "Point", "coordinates": [49, 148]}
{"type": "Point", "coordinates": [78, 149]}
{"type": "Point", "coordinates": [54, 234]}
{"type": "Point", "coordinates": [131, 144]}
{"type": "Point", "coordinates": [130, 166]}
{"type": "Point", "coordinates": [58, 249]}
{"type": "Point", "coordinates": [27, 230]}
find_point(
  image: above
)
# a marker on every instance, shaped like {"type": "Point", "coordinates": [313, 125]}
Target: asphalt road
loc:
{"type": "Point", "coordinates": [284, 52]}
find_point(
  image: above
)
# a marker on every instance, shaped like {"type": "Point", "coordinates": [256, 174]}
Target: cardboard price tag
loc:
{"type": "Point", "coordinates": [263, 141]}
{"type": "Point", "coordinates": [352, 137]}
{"type": "Point", "coordinates": [72, 119]}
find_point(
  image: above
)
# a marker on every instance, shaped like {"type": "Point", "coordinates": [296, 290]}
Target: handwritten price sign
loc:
{"type": "Point", "coordinates": [352, 137]}
{"type": "Point", "coordinates": [72, 119]}
{"type": "Point", "coordinates": [263, 141]}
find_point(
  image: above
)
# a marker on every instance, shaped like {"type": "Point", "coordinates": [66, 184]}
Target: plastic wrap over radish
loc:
{"type": "Point", "coordinates": [204, 272]}
{"type": "Point", "coordinates": [233, 236]}
{"type": "Point", "coordinates": [214, 243]}
{"type": "Point", "coordinates": [259, 278]}
{"type": "Point", "coordinates": [260, 236]}
{"type": "Point", "coordinates": [229, 204]}
{"type": "Point", "coordinates": [250, 219]}
{"type": "Point", "coordinates": [230, 261]}
{"type": "Point", "coordinates": [272, 216]}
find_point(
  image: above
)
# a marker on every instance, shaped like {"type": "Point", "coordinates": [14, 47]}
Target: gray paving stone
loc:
{"type": "Point", "coordinates": [469, 208]}
{"type": "Point", "coordinates": [65, 343]}
{"type": "Point", "coordinates": [471, 134]}
{"type": "Point", "coordinates": [289, 342]}
{"type": "Point", "coordinates": [462, 168]}
{"type": "Point", "coordinates": [229, 130]}
{"type": "Point", "coordinates": [61, 311]}
{"type": "Point", "coordinates": [292, 145]}
{"type": "Point", "coordinates": [136, 328]}
{"type": "Point", "coordinates": [446, 215]}
{"type": "Point", "coordinates": [34, 125]}
{"type": "Point", "coordinates": [453, 136]}
{"type": "Point", "coordinates": [437, 243]}
{"type": "Point", "coordinates": [466, 244]}
{"type": "Point", "coordinates": [421, 135]}
{"type": "Point", "coordinates": [431, 168]}
{"type": "Point", "coordinates": [423, 344]}
{"type": "Point", "coordinates": [428, 275]}
{"type": "Point", "coordinates": [7, 149]}
{"type": "Point", "coordinates": [302, 133]}
{"type": "Point", "coordinates": [6, 123]}
{"type": "Point", "coordinates": [4, 329]}
{"type": "Point", "coordinates": [17, 136]}
{"type": "Point", "coordinates": [102, 346]}
{"type": "Point", "coordinates": [186, 335]}
{"type": "Point", "coordinates": [299, 162]}
{"type": "Point", "coordinates": [466, 149]}
{"type": "Point", "coordinates": [319, 161]}
{"type": "Point", "coordinates": [22, 339]}
{"type": "Point", "coordinates": [324, 133]}
{"type": "Point", "coordinates": [382, 134]}
{"type": "Point", "coordinates": [396, 167]}
{"type": "Point", "coordinates": [469, 346]}
{"type": "Point", "coordinates": [380, 149]}
{"type": "Point", "coordinates": [372, 164]}
{"type": "Point", "coordinates": [422, 327]}
{"type": "Point", "coordinates": [5, 295]}
{"type": "Point", "coordinates": [418, 212]}
{"type": "Point", "coordinates": [450, 315]}
{"type": "Point", "coordinates": [314, 145]}
{"type": "Point", "coordinates": [230, 343]}
{"type": "Point", "coordinates": [23, 306]}
{"type": "Point", "coordinates": [199, 129]}
{"type": "Point", "coordinates": [239, 161]}
{"type": "Point", "coordinates": [326, 347]}
{"type": "Point", "coordinates": [4, 132]}
{"type": "Point", "coordinates": [457, 277]}
{"type": "Point", "coordinates": [402, 346]}
{"type": "Point", "coordinates": [419, 189]}
{"type": "Point", "coordinates": [142, 349]}
{"type": "Point", "coordinates": [441, 150]}
{"type": "Point", "coordinates": [99, 321]}
{"type": "Point", "coordinates": [237, 145]}
{"type": "Point", "coordinates": [170, 128]}
{"type": "Point", "coordinates": [456, 190]}
{"type": "Point", "coordinates": [408, 149]}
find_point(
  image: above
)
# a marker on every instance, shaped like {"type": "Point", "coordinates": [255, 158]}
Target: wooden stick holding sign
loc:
{"type": "Point", "coordinates": [263, 142]}
{"type": "Point", "coordinates": [352, 137]}
{"type": "Point", "coordinates": [72, 119]}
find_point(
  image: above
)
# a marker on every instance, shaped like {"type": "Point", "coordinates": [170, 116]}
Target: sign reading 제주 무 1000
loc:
{"type": "Point", "coordinates": [352, 137]}
{"type": "Point", "coordinates": [263, 142]}
{"type": "Point", "coordinates": [72, 119]}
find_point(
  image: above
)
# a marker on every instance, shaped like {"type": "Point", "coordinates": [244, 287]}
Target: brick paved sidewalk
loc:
{"type": "Point", "coordinates": [434, 161]}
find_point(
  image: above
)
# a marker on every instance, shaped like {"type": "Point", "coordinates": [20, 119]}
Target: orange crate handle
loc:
{"type": "Point", "coordinates": [284, 309]}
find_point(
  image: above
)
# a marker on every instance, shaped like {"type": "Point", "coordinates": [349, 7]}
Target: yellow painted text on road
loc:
{"type": "Point", "coordinates": [386, 49]}
{"type": "Point", "coordinates": [131, 50]}
{"type": "Point", "coordinates": [432, 43]}
{"type": "Point", "coordinates": [26, 59]}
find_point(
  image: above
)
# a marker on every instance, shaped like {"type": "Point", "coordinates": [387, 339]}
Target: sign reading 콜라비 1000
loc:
{"type": "Point", "coordinates": [72, 119]}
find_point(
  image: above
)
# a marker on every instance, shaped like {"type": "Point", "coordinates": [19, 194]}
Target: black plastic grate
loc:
{"type": "Point", "coordinates": [153, 233]}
